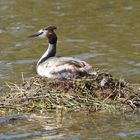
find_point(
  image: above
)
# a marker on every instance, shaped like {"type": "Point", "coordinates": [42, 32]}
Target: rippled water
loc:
{"type": "Point", "coordinates": [83, 126]}
{"type": "Point", "coordinates": [104, 33]}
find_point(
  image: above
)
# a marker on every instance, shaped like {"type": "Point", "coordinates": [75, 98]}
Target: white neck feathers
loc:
{"type": "Point", "coordinates": [49, 53]}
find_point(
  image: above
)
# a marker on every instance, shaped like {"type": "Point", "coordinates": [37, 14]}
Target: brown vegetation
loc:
{"type": "Point", "coordinates": [96, 93]}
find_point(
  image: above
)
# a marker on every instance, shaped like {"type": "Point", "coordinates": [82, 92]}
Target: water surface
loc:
{"type": "Point", "coordinates": [71, 126]}
{"type": "Point", "coordinates": [104, 33]}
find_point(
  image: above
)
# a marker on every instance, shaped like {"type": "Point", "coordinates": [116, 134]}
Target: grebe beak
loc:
{"type": "Point", "coordinates": [36, 34]}
{"type": "Point", "coordinates": [41, 33]}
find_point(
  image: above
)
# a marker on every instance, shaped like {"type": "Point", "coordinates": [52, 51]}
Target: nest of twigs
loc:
{"type": "Point", "coordinates": [94, 93]}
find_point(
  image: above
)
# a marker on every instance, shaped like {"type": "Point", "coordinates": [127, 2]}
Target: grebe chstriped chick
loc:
{"type": "Point", "coordinates": [52, 66]}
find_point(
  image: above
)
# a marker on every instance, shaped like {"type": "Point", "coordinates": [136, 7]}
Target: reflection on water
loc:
{"type": "Point", "coordinates": [104, 33]}
{"type": "Point", "coordinates": [71, 126]}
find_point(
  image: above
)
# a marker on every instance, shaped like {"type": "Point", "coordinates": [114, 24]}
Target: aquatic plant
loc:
{"type": "Point", "coordinates": [102, 92]}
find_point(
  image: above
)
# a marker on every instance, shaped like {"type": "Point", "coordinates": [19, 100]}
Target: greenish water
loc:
{"type": "Point", "coordinates": [104, 33]}
{"type": "Point", "coordinates": [71, 126]}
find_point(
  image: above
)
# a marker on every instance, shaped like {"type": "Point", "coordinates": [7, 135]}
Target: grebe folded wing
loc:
{"type": "Point", "coordinates": [63, 67]}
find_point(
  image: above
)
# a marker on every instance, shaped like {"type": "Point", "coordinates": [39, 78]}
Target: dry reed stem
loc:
{"type": "Point", "coordinates": [100, 92]}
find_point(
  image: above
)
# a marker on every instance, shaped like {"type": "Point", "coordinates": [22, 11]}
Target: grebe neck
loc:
{"type": "Point", "coordinates": [51, 47]}
{"type": "Point", "coordinates": [51, 51]}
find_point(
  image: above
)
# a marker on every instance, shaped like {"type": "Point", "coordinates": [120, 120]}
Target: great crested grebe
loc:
{"type": "Point", "coordinates": [59, 67]}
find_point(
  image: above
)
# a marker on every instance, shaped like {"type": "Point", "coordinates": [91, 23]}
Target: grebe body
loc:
{"type": "Point", "coordinates": [51, 66]}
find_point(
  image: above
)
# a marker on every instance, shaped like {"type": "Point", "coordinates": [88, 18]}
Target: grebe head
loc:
{"type": "Point", "coordinates": [45, 32]}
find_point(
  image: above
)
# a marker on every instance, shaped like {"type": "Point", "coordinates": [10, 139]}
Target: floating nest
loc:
{"type": "Point", "coordinates": [95, 93]}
